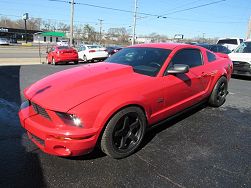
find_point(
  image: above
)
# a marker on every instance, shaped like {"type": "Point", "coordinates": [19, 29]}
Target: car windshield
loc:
{"type": "Point", "coordinates": [227, 41]}
{"type": "Point", "coordinates": [90, 47]}
{"type": "Point", "coordinates": [244, 47]}
{"type": "Point", "coordinates": [147, 61]}
{"type": "Point", "coordinates": [63, 47]}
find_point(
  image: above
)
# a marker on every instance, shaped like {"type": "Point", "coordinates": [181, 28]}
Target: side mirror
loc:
{"type": "Point", "coordinates": [178, 69]}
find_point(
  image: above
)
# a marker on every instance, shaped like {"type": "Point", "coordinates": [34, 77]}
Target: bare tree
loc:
{"type": "Point", "coordinates": [89, 34]}
{"type": "Point", "coordinates": [118, 35]}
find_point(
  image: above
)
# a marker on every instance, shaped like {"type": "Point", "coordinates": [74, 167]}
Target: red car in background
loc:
{"type": "Point", "coordinates": [111, 103]}
{"type": "Point", "coordinates": [62, 54]}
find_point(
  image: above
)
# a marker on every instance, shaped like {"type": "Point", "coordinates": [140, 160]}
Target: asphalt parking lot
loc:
{"type": "Point", "coordinates": [206, 147]}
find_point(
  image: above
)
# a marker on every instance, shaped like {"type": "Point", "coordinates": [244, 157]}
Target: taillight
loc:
{"type": "Point", "coordinates": [90, 51]}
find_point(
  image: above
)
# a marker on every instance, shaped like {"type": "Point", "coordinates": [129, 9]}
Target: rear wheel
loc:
{"type": "Point", "coordinates": [84, 58]}
{"type": "Point", "coordinates": [75, 62]}
{"type": "Point", "coordinates": [219, 93]}
{"type": "Point", "coordinates": [124, 133]}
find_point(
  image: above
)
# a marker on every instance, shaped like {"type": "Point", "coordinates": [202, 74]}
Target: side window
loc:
{"type": "Point", "coordinates": [83, 48]}
{"type": "Point", "coordinates": [190, 57]}
{"type": "Point", "coordinates": [210, 57]}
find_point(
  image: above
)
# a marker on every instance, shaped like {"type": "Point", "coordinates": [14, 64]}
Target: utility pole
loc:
{"type": "Point", "coordinates": [100, 30]}
{"type": "Point", "coordinates": [134, 21]}
{"type": "Point", "coordinates": [71, 26]}
{"type": "Point", "coordinates": [249, 29]}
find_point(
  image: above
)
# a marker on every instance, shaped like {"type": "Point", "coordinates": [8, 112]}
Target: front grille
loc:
{"type": "Point", "coordinates": [39, 140]}
{"type": "Point", "coordinates": [38, 109]}
{"type": "Point", "coordinates": [241, 66]}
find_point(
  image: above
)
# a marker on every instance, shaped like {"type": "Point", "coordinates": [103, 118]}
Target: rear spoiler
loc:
{"type": "Point", "coordinates": [222, 55]}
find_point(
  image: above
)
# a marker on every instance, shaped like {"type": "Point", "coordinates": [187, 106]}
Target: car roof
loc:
{"type": "Point", "coordinates": [230, 38]}
{"type": "Point", "coordinates": [169, 46]}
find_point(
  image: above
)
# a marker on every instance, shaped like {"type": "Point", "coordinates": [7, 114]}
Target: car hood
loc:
{"type": "Point", "coordinates": [245, 57]}
{"type": "Point", "coordinates": [66, 89]}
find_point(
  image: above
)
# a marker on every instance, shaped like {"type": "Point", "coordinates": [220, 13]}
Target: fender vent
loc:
{"type": "Point", "coordinates": [38, 109]}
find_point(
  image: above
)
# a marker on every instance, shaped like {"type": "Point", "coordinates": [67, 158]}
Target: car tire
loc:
{"type": "Point", "coordinates": [219, 93]}
{"type": "Point", "coordinates": [124, 133]}
{"type": "Point", "coordinates": [85, 58]}
{"type": "Point", "coordinates": [75, 62]}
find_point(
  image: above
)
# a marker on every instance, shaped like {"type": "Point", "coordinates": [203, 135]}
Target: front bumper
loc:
{"type": "Point", "coordinates": [66, 58]}
{"type": "Point", "coordinates": [57, 140]}
{"type": "Point", "coordinates": [241, 68]}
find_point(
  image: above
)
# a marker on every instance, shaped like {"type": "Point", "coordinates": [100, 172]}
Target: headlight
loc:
{"type": "Point", "coordinates": [25, 104]}
{"type": "Point", "coordinates": [70, 119]}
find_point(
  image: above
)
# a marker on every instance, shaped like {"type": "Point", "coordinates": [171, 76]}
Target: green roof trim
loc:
{"type": "Point", "coordinates": [53, 34]}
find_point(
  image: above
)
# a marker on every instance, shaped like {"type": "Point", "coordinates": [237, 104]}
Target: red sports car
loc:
{"type": "Point", "coordinates": [111, 104]}
{"type": "Point", "coordinates": [62, 54]}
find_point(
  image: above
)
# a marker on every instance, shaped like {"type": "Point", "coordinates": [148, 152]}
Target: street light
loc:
{"type": "Point", "coordinates": [25, 18]}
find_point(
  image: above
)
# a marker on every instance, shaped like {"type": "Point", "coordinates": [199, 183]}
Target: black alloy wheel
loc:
{"type": "Point", "coordinates": [127, 132]}
{"type": "Point", "coordinates": [222, 92]}
{"type": "Point", "coordinates": [124, 132]}
{"type": "Point", "coordinates": [219, 93]}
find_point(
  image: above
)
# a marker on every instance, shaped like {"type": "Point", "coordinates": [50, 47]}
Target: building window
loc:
{"type": "Point", "coordinates": [50, 39]}
{"type": "Point", "coordinates": [56, 39]}
{"type": "Point", "coordinates": [44, 39]}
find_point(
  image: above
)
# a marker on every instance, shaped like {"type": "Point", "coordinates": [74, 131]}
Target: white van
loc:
{"type": "Point", "coordinates": [230, 43]}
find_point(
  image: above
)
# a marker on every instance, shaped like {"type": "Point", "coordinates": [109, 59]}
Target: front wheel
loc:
{"type": "Point", "coordinates": [124, 133]}
{"type": "Point", "coordinates": [219, 93]}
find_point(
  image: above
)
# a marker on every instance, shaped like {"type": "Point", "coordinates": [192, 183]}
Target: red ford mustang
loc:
{"type": "Point", "coordinates": [62, 54]}
{"type": "Point", "coordinates": [111, 104]}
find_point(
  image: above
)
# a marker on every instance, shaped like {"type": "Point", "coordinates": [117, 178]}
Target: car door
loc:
{"type": "Point", "coordinates": [183, 90]}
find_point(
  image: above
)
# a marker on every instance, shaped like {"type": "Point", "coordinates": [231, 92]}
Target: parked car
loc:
{"type": "Point", "coordinates": [216, 48]}
{"type": "Point", "coordinates": [63, 43]}
{"type": "Point", "coordinates": [4, 41]}
{"type": "Point", "coordinates": [230, 43]}
{"type": "Point", "coordinates": [92, 52]}
{"type": "Point", "coordinates": [241, 58]}
{"type": "Point", "coordinates": [62, 54]}
{"type": "Point", "coordinates": [111, 103]}
{"type": "Point", "coordinates": [112, 50]}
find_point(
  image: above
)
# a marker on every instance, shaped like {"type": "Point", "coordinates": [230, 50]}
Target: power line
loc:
{"type": "Point", "coordinates": [194, 7]}
{"type": "Point", "coordinates": [107, 8]}
{"type": "Point", "coordinates": [142, 13]}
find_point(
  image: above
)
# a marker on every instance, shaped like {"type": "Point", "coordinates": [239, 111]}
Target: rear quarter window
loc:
{"type": "Point", "coordinates": [210, 57]}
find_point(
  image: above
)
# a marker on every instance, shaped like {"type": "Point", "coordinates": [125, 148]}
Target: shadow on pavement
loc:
{"type": "Point", "coordinates": [18, 168]}
{"type": "Point", "coordinates": [153, 131]}
{"type": "Point", "coordinates": [241, 77]}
